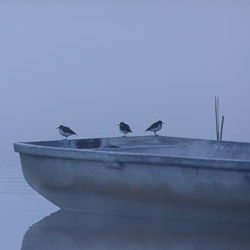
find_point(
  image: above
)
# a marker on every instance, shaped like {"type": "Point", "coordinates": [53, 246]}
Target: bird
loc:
{"type": "Point", "coordinates": [155, 127]}
{"type": "Point", "coordinates": [124, 128]}
{"type": "Point", "coordinates": [65, 131]}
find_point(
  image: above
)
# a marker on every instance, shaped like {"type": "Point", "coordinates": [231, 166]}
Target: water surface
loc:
{"type": "Point", "coordinates": [29, 222]}
{"type": "Point", "coordinates": [20, 207]}
{"type": "Point", "coordinates": [92, 64]}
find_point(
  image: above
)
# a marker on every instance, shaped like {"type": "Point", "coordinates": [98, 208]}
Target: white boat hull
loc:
{"type": "Point", "coordinates": [145, 178]}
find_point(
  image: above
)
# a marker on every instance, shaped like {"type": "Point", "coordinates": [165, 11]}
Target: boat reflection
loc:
{"type": "Point", "coordinates": [77, 230]}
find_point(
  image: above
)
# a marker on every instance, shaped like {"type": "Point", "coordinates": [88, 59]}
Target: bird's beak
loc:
{"type": "Point", "coordinates": [117, 124]}
{"type": "Point", "coordinates": [163, 122]}
{"type": "Point", "coordinates": [57, 127]}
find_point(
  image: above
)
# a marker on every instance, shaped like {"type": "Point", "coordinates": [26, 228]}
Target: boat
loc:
{"type": "Point", "coordinates": [142, 175]}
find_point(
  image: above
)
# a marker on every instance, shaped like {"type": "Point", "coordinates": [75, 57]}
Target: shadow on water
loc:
{"type": "Point", "coordinates": [77, 230]}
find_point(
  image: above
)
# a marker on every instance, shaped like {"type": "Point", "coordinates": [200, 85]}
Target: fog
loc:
{"type": "Point", "coordinates": [91, 65]}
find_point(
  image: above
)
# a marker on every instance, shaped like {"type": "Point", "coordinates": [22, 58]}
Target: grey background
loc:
{"type": "Point", "coordinates": [91, 64]}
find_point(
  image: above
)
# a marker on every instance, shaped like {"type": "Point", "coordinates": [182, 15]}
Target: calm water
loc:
{"type": "Point", "coordinates": [20, 207]}
{"type": "Point", "coordinates": [29, 222]}
{"type": "Point", "coordinates": [132, 61]}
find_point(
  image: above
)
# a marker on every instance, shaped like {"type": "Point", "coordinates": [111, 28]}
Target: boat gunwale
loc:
{"type": "Point", "coordinates": [108, 156]}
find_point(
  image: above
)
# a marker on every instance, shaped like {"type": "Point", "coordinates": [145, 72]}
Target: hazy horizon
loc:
{"type": "Point", "coordinates": [91, 65]}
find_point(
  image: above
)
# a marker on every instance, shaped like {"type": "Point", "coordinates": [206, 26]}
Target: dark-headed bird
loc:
{"type": "Point", "coordinates": [155, 127]}
{"type": "Point", "coordinates": [65, 131]}
{"type": "Point", "coordinates": [124, 128]}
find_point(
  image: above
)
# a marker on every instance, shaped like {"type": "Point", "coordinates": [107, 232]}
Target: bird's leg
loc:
{"type": "Point", "coordinates": [155, 133]}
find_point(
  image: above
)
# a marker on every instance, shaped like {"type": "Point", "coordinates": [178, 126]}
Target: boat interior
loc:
{"type": "Point", "coordinates": [158, 145]}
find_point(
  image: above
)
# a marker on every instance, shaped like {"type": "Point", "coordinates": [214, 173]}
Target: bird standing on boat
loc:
{"type": "Point", "coordinates": [65, 131]}
{"type": "Point", "coordinates": [124, 128]}
{"type": "Point", "coordinates": [155, 127]}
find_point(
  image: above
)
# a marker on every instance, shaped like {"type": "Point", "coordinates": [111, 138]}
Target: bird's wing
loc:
{"type": "Point", "coordinates": [68, 130]}
{"type": "Point", "coordinates": [126, 127]}
{"type": "Point", "coordinates": [154, 125]}
{"type": "Point", "coordinates": [129, 129]}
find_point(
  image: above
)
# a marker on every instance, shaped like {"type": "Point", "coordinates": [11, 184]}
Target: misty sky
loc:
{"type": "Point", "coordinates": [91, 64]}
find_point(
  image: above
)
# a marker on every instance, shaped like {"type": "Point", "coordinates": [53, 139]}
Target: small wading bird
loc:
{"type": "Point", "coordinates": [155, 127]}
{"type": "Point", "coordinates": [124, 128]}
{"type": "Point", "coordinates": [65, 131]}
